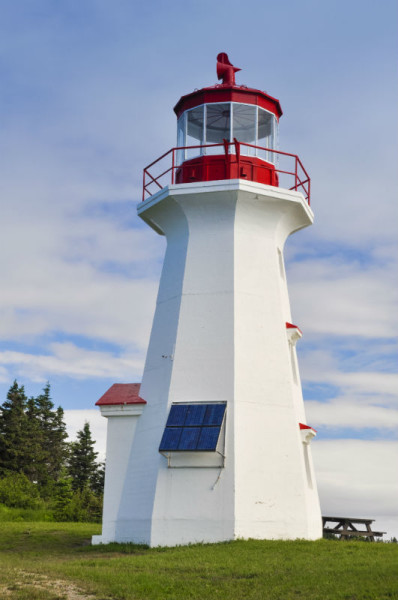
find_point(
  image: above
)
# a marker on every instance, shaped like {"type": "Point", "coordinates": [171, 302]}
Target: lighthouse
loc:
{"type": "Point", "coordinates": [214, 445]}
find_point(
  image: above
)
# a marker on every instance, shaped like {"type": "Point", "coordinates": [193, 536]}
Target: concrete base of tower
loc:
{"type": "Point", "coordinates": [180, 532]}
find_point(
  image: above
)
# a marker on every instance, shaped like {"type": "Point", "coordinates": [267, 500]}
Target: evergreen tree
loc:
{"type": "Point", "coordinates": [33, 448]}
{"type": "Point", "coordinates": [37, 464]}
{"type": "Point", "coordinates": [86, 506]}
{"type": "Point", "coordinates": [14, 432]}
{"type": "Point", "coordinates": [98, 480]}
{"type": "Point", "coordinates": [83, 466]}
{"type": "Point", "coordinates": [17, 491]}
{"type": "Point", "coordinates": [32, 436]}
{"type": "Point", "coordinates": [62, 498]}
{"type": "Point", "coordinates": [51, 436]}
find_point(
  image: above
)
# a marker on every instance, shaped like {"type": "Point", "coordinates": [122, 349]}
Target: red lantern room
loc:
{"type": "Point", "coordinates": [227, 131]}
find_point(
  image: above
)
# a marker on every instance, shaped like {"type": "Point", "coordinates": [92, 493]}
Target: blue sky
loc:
{"type": "Point", "coordinates": [87, 95]}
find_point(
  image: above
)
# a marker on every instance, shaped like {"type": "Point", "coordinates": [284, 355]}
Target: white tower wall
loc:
{"type": "Point", "coordinates": [219, 335]}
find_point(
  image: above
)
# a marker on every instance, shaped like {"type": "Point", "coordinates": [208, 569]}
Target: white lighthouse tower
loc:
{"type": "Point", "coordinates": [214, 444]}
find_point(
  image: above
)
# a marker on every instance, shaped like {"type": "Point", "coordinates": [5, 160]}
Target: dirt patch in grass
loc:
{"type": "Point", "coordinates": [33, 586]}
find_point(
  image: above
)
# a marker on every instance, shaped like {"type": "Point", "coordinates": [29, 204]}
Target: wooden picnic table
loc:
{"type": "Point", "coordinates": [345, 528]}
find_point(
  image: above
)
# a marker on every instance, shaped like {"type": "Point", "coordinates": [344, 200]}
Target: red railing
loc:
{"type": "Point", "coordinates": [296, 174]}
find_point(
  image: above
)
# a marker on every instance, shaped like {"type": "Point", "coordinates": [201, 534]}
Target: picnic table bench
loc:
{"type": "Point", "coordinates": [345, 528]}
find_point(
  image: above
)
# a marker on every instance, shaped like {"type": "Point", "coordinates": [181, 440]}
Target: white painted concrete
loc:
{"type": "Point", "coordinates": [122, 421]}
{"type": "Point", "coordinates": [219, 334]}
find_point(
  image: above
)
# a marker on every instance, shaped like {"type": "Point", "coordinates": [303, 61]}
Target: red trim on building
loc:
{"type": "Point", "coordinates": [227, 166]}
{"type": "Point", "coordinates": [121, 393]}
{"type": "Point", "coordinates": [302, 426]}
{"type": "Point", "coordinates": [258, 169]}
{"type": "Point", "coordinates": [292, 326]}
{"type": "Point", "coordinates": [223, 93]}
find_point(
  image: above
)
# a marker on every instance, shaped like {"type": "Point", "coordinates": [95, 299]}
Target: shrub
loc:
{"type": "Point", "coordinates": [16, 491]}
{"type": "Point", "coordinates": [8, 514]}
{"type": "Point", "coordinates": [81, 505]}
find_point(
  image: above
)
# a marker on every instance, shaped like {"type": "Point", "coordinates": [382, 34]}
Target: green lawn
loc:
{"type": "Point", "coordinates": [54, 561]}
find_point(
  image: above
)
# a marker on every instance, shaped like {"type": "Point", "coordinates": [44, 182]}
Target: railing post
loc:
{"type": "Point", "coordinates": [237, 153]}
{"type": "Point", "coordinates": [172, 168]}
{"type": "Point", "coordinates": [295, 173]}
{"type": "Point", "coordinates": [227, 164]}
{"type": "Point", "coordinates": [309, 192]}
{"type": "Point", "coordinates": [143, 185]}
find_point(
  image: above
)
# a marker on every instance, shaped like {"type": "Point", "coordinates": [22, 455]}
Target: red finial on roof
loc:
{"type": "Point", "coordinates": [226, 70]}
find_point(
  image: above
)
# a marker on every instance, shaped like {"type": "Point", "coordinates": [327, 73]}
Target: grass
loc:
{"type": "Point", "coordinates": [25, 514]}
{"type": "Point", "coordinates": [54, 561]}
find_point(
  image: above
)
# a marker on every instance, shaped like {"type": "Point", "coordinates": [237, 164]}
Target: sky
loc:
{"type": "Point", "coordinates": [87, 91]}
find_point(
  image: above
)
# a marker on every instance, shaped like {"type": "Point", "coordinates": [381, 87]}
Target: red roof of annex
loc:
{"type": "Point", "coordinates": [121, 393]}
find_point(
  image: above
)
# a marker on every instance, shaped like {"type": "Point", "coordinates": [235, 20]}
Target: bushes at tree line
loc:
{"type": "Point", "coordinates": [16, 491]}
{"type": "Point", "coordinates": [39, 469]}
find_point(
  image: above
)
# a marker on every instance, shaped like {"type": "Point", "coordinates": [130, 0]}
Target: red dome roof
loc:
{"type": "Point", "coordinates": [225, 93]}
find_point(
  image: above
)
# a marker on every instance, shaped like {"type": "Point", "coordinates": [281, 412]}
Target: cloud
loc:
{"type": "Point", "coordinates": [344, 389]}
{"type": "Point", "coordinates": [75, 419]}
{"type": "Point", "coordinates": [4, 378]}
{"type": "Point", "coordinates": [358, 478]}
{"type": "Point", "coordinates": [366, 382]}
{"type": "Point", "coordinates": [351, 413]}
{"type": "Point", "coordinates": [321, 366]}
{"type": "Point", "coordinates": [103, 308]}
{"type": "Point", "coordinates": [69, 359]}
{"type": "Point", "coordinates": [63, 273]}
{"type": "Point", "coordinates": [339, 296]}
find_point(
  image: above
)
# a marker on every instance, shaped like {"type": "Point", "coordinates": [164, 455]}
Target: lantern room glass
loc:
{"type": "Point", "coordinates": [245, 126]}
{"type": "Point", "coordinates": [266, 134]}
{"type": "Point", "coordinates": [217, 125]}
{"type": "Point", "coordinates": [213, 123]}
{"type": "Point", "coordinates": [194, 135]}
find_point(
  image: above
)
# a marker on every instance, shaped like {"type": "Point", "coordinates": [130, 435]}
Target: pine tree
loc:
{"type": "Point", "coordinates": [32, 436]}
{"type": "Point", "coordinates": [34, 454]}
{"type": "Point", "coordinates": [62, 498]}
{"type": "Point", "coordinates": [34, 445]}
{"type": "Point", "coordinates": [14, 432]}
{"type": "Point", "coordinates": [51, 434]}
{"type": "Point", "coordinates": [83, 466]}
{"type": "Point", "coordinates": [98, 480]}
